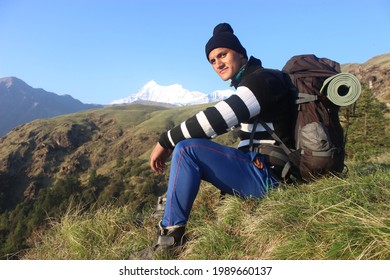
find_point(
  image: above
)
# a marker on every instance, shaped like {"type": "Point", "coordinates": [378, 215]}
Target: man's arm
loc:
{"type": "Point", "coordinates": [215, 120]}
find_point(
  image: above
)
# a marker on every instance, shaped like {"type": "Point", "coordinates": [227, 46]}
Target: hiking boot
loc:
{"type": "Point", "coordinates": [168, 238]}
{"type": "Point", "coordinates": [160, 207]}
{"type": "Point", "coordinates": [167, 241]}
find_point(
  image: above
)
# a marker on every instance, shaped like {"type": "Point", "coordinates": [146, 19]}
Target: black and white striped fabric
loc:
{"type": "Point", "coordinates": [221, 118]}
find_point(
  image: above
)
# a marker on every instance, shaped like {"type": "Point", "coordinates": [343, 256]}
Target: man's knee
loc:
{"type": "Point", "coordinates": [189, 147]}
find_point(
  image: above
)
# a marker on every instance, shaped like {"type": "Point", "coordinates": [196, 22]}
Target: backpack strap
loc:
{"type": "Point", "coordinates": [286, 169]}
{"type": "Point", "coordinates": [328, 153]}
{"type": "Point", "coordinates": [275, 137]}
{"type": "Point", "coordinates": [251, 146]}
{"type": "Point", "coordinates": [285, 158]}
{"type": "Point", "coordinates": [305, 98]}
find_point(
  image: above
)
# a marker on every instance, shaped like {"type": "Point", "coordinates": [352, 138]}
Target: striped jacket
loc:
{"type": "Point", "coordinates": [260, 92]}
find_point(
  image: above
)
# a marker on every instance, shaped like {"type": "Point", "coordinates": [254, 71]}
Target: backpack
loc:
{"type": "Point", "coordinates": [319, 137]}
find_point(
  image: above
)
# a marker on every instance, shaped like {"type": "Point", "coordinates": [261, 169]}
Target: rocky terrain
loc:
{"type": "Point", "coordinates": [375, 73]}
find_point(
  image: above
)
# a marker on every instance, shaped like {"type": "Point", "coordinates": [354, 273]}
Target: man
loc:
{"type": "Point", "coordinates": [259, 93]}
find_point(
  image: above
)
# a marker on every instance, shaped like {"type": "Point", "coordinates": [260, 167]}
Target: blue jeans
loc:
{"type": "Point", "coordinates": [227, 168]}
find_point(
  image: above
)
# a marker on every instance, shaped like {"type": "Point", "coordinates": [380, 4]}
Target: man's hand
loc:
{"type": "Point", "coordinates": [158, 157]}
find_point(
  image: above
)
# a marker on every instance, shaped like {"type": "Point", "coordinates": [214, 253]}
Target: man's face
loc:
{"type": "Point", "coordinates": [226, 62]}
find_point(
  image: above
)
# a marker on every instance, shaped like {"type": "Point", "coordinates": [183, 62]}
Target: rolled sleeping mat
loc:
{"type": "Point", "coordinates": [341, 89]}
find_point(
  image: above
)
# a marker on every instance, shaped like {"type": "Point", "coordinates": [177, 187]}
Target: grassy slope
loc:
{"type": "Point", "coordinates": [332, 218]}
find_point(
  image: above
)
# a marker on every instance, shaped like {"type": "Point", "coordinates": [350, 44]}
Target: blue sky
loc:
{"type": "Point", "coordinates": [102, 50]}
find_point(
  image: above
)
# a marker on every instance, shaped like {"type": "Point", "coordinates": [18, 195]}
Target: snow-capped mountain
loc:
{"type": "Point", "coordinates": [173, 94]}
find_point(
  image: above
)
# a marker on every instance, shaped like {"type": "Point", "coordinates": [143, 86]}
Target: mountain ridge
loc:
{"type": "Point", "coordinates": [374, 73]}
{"type": "Point", "coordinates": [21, 103]}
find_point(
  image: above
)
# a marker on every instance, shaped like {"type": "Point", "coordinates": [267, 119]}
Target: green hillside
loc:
{"type": "Point", "coordinates": [80, 187]}
{"type": "Point", "coordinates": [333, 218]}
{"type": "Point", "coordinates": [92, 158]}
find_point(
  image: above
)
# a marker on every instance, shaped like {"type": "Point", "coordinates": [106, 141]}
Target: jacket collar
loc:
{"type": "Point", "coordinates": [252, 65]}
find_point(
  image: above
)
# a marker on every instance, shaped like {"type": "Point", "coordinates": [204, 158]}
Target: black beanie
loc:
{"type": "Point", "coordinates": [223, 37]}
